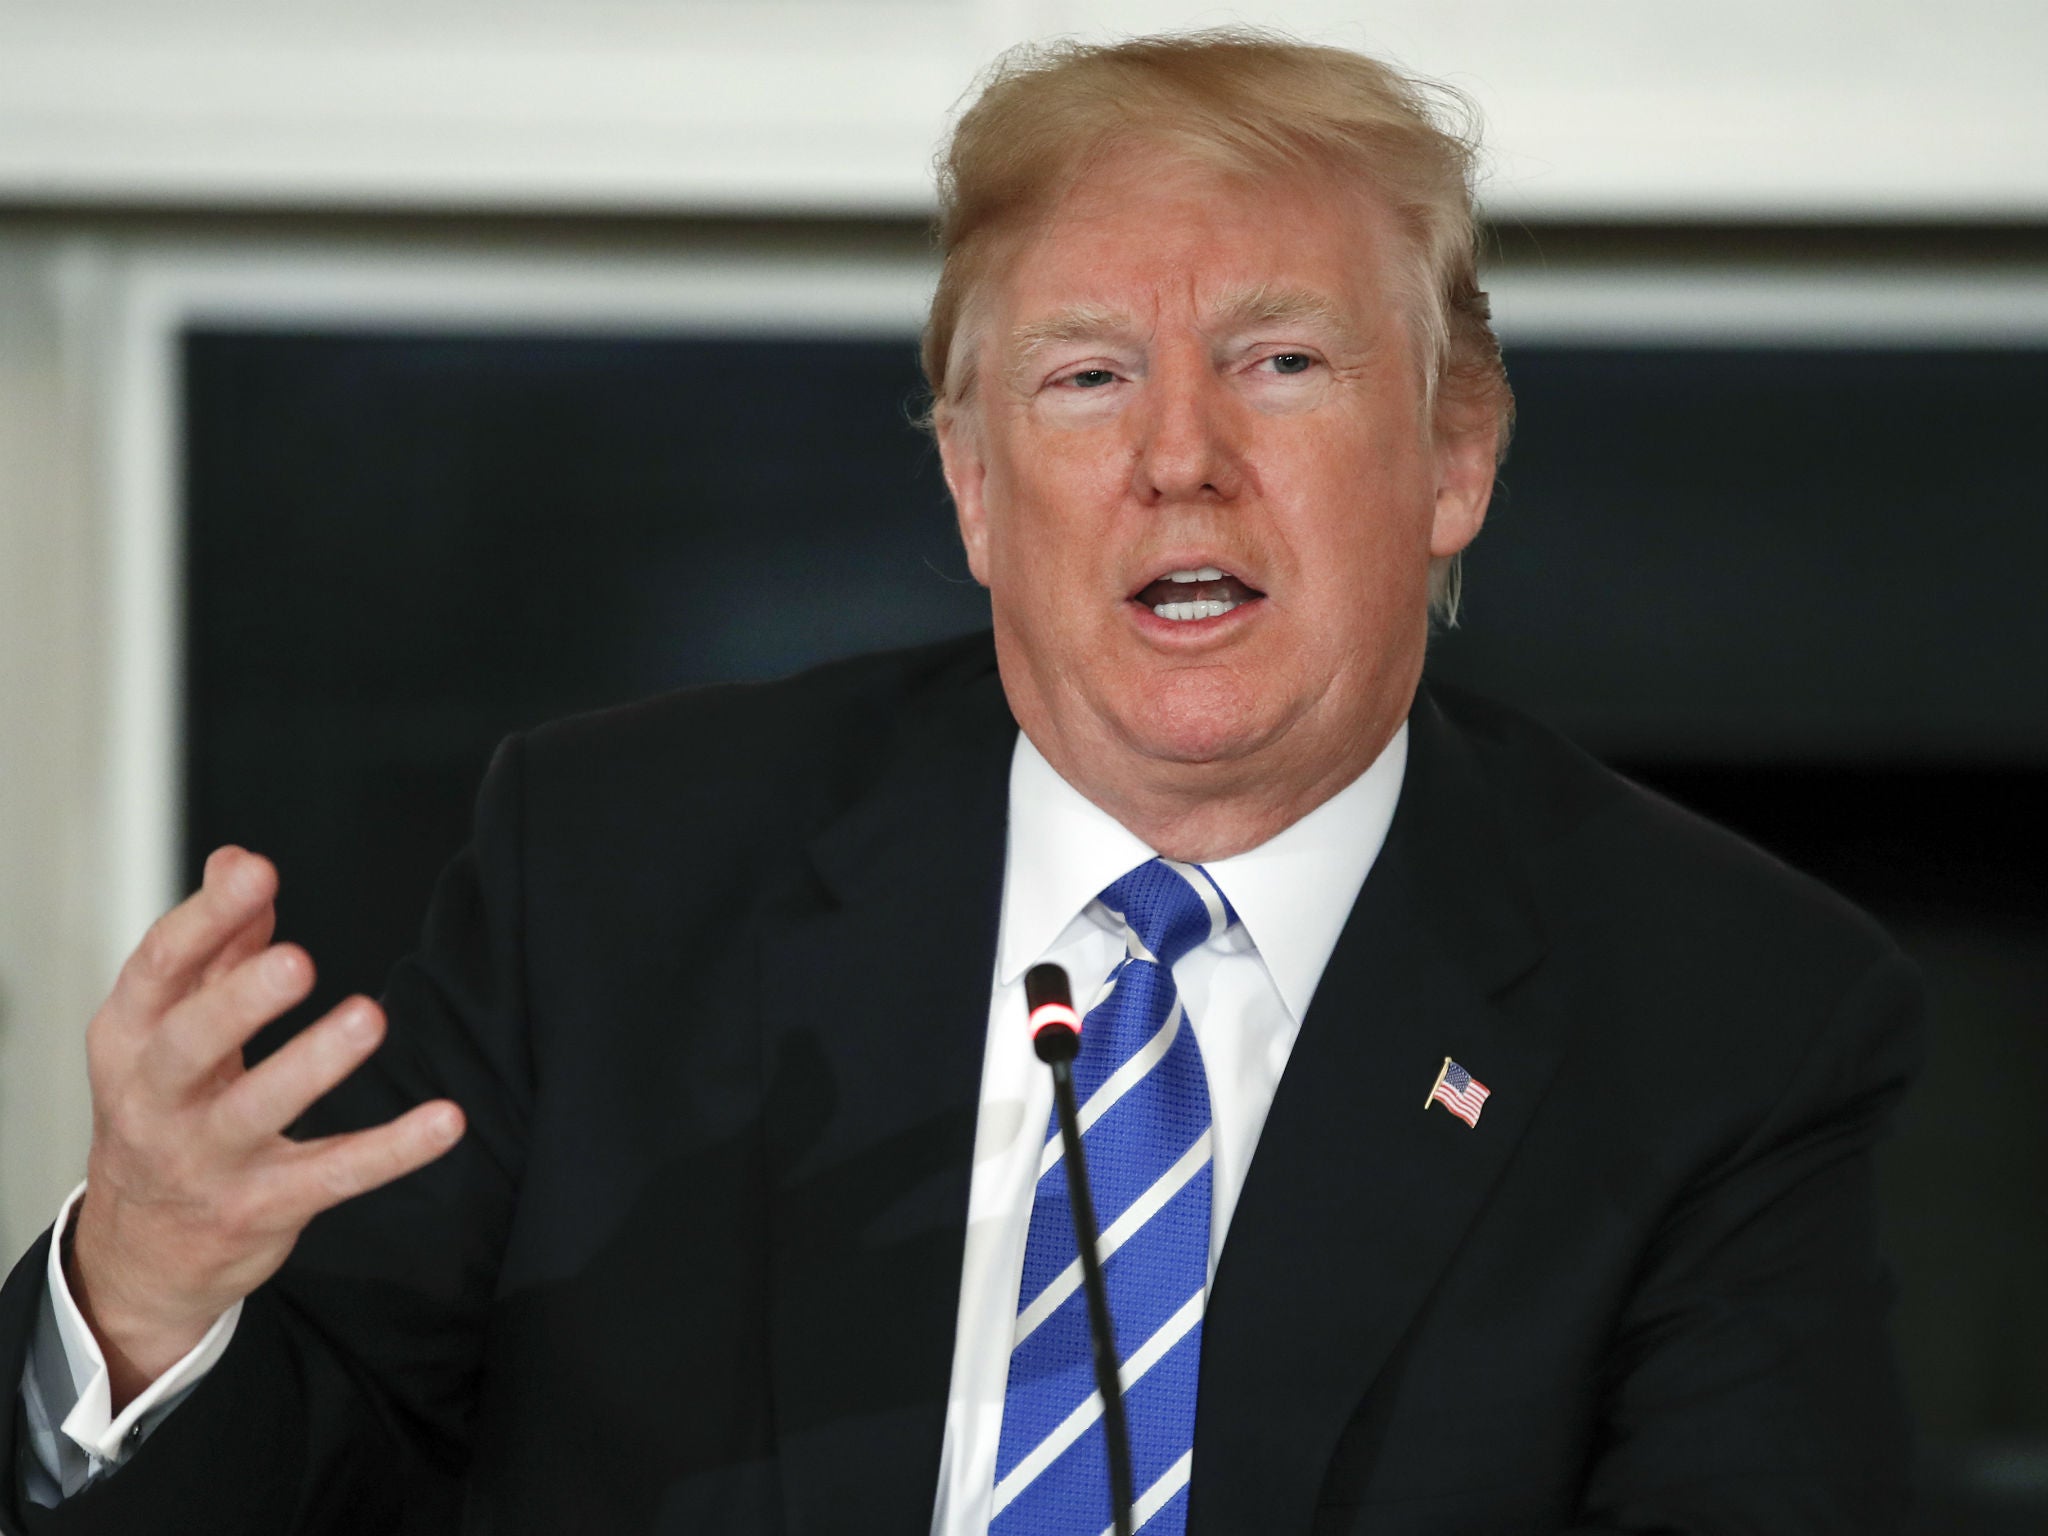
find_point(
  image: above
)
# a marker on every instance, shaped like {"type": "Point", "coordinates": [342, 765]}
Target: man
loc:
{"type": "Point", "coordinates": [702, 1179]}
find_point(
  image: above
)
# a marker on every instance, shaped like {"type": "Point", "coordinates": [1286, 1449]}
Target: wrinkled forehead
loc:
{"type": "Point", "coordinates": [1221, 247]}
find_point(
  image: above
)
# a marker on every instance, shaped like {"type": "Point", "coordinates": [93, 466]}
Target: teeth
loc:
{"type": "Point", "coordinates": [1207, 608]}
{"type": "Point", "coordinates": [1206, 573]}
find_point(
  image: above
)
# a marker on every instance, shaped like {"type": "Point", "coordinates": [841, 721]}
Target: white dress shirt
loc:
{"type": "Point", "coordinates": [1246, 993]}
{"type": "Point", "coordinates": [92, 1425]}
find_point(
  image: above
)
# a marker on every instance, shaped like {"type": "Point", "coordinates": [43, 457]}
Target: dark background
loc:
{"type": "Point", "coordinates": [1799, 590]}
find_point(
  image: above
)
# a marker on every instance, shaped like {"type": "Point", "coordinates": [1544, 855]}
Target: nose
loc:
{"type": "Point", "coordinates": [1187, 447]}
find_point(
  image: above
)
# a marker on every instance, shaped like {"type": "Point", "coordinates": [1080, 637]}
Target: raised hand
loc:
{"type": "Point", "coordinates": [194, 1194]}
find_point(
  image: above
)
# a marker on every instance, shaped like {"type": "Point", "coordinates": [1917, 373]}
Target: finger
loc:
{"type": "Point", "coordinates": [323, 1173]}
{"type": "Point", "coordinates": [181, 1054]}
{"type": "Point", "coordinates": [249, 939]}
{"type": "Point", "coordinates": [167, 964]}
{"type": "Point", "coordinates": [269, 1097]}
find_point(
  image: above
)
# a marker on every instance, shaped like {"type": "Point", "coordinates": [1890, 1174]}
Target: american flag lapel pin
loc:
{"type": "Point", "coordinates": [1458, 1091]}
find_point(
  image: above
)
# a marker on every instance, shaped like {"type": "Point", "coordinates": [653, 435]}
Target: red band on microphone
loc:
{"type": "Point", "coordinates": [1054, 1013]}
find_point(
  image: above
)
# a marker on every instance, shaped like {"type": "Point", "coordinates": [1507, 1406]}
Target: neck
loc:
{"type": "Point", "coordinates": [1199, 812]}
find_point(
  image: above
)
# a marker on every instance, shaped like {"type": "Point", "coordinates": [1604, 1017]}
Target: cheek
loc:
{"type": "Point", "coordinates": [1051, 498]}
{"type": "Point", "coordinates": [1364, 514]}
{"type": "Point", "coordinates": [1062, 458]}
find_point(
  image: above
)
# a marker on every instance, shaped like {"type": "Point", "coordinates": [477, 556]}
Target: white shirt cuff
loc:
{"type": "Point", "coordinates": [92, 1425]}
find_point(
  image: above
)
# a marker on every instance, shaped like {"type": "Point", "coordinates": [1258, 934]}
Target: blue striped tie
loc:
{"type": "Point", "coordinates": [1145, 1124]}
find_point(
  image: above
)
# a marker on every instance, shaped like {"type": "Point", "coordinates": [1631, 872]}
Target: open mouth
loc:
{"type": "Point", "coordinates": [1189, 596]}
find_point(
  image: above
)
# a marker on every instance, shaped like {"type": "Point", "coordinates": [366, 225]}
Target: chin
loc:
{"type": "Point", "coordinates": [1195, 724]}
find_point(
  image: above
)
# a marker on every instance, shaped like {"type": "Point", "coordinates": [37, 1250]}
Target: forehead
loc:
{"type": "Point", "coordinates": [1155, 235]}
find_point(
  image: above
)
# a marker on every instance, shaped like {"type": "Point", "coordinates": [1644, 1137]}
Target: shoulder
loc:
{"type": "Point", "coordinates": [1653, 887]}
{"type": "Point", "coordinates": [817, 724]}
{"type": "Point", "coordinates": [726, 764]}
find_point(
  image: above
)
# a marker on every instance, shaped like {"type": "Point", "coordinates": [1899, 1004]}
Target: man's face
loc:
{"type": "Point", "coordinates": [1198, 481]}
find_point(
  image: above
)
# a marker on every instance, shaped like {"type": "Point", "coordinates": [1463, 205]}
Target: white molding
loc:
{"type": "Point", "coordinates": [290, 283]}
{"type": "Point", "coordinates": [1770, 306]}
{"type": "Point", "coordinates": [144, 729]}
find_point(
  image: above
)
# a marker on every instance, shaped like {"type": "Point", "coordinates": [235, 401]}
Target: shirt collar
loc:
{"type": "Point", "coordinates": [1064, 849]}
{"type": "Point", "coordinates": [1293, 892]}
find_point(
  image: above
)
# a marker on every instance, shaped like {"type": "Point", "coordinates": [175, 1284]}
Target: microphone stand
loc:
{"type": "Point", "coordinates": [1056, 1036]}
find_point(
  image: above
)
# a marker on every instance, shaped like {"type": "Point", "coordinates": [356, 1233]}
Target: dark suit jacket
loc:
{"type": "Point", "coordinates": [712, 984]}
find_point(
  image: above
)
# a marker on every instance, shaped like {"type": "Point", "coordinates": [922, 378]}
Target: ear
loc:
{"type": "Point", "coordinates": [966, 470]}
{"type": "Point", "coordinates": [1464, 486]}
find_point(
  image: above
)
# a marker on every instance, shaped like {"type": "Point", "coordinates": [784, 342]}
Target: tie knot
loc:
{"type": "Point", "coordinates": [1168, 909]}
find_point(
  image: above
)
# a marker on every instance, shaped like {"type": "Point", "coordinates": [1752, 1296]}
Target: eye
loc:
{"type": "Point", "coordinates": [1090, 378]}
{"type": "Point", "coordinates": [1291, 362]}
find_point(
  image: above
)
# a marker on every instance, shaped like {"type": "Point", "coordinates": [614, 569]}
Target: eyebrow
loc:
{"type": "Point", "coordinates": [1242, 310]}
{"type": "Point", "coordinates": [1079, 322]}
{"type": "Point", "coordinates": [1250, 308]}
{"type": "Point", "coordinates": [1075, 323]}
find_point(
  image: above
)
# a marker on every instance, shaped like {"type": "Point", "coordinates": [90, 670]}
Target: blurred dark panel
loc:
{"type": "Point", "coordinates": [1748, 555]}
{"type": "Point", "coordinates": [1797, 590]}
{"type": "Point", "coordinates": [400, 548]}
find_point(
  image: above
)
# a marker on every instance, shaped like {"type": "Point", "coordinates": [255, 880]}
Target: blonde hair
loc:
{"type": "Point", "coordinates": [1250, 103]}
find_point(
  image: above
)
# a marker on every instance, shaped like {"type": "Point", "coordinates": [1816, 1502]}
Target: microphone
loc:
{"type": "Point", "coordinates": [1056, 1036]}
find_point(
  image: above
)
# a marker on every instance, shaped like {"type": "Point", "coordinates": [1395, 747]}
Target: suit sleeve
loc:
{"type": "Point", "coordinates": [344, 1401]}
{"type": "Point", "coordinates": [1752, 1388]}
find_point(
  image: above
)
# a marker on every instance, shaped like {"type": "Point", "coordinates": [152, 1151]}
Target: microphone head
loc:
{"type": "Point", "coordinates": [1055, 1026]}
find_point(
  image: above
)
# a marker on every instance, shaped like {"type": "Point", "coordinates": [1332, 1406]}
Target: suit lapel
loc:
{"type": "Point", "coordinates": [875, 992]}
{"type": "Point", "coordinates": [1357, 1196]}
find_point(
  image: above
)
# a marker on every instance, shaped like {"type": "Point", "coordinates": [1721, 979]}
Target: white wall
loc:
{"type": "Point", "coordinates": [54, 921]}
{"type": "Point", "coordinates": [1855, 109]}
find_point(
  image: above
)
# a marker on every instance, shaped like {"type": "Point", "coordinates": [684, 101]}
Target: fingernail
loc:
{"type": "Point", "coordinates": [358, 1024]}
{"type": "Point", "coordinates": [241, 878]}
